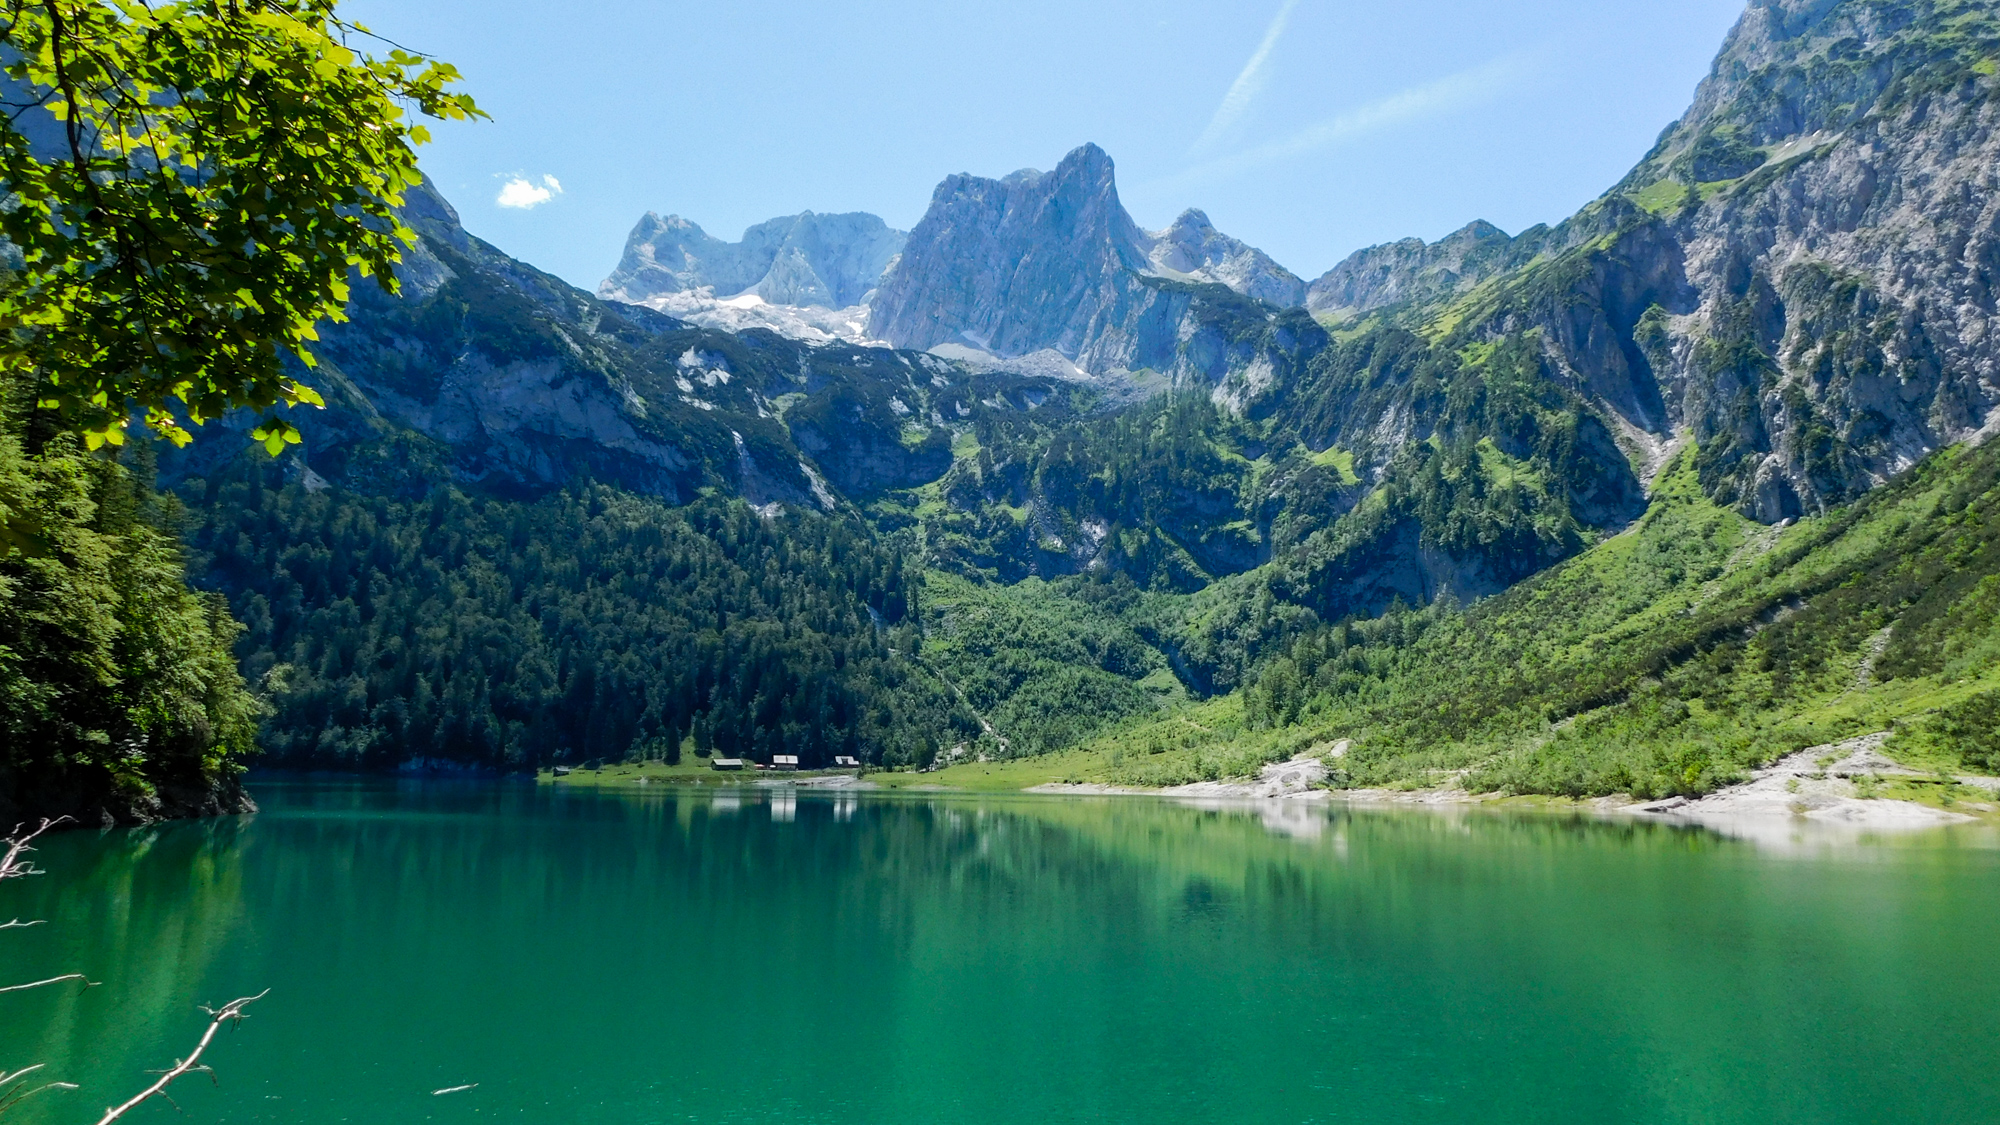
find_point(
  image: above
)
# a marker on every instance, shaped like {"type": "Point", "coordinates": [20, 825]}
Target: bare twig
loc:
{"type": "Point", "coordinates": [453, 1089]}
{"type": "Point", "coordinates": [230, 1013]}
{"type": "Point", "coordinates": [87, 982]}
{"type": "Point", "coordinates": [17, 924]}
{"type": "Point", "coordinates": [12, 1094]}
{"type": "Point", "coordinates": [12, 865]}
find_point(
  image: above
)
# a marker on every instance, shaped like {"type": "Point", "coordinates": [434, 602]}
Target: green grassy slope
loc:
{"type": "Point", "coordinates": [1046, 664]}
{"type": "Point", "coordinates": [1667, 659]}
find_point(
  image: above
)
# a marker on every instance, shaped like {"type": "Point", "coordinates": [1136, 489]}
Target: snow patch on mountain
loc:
{"type": "Point", "coordinates": [804, 261]}
{"type": "Point", "coordinates": [811, 323]}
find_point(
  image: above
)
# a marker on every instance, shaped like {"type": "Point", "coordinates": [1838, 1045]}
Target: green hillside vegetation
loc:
{"type": "Point", "coordinates": [1668, 659]}
{"type": "Point", "coordinates": [1046, 663]}
{"type": "Point", "coordinates": [1174, 492]}
{"type": "Point", "coordinates": [1664, 659]}
{"type": "Point", "coordinates": [118, 689]}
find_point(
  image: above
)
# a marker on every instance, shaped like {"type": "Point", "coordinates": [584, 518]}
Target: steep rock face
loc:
{"type": "Point", "coordinates": [1015, 265]}
{"type": "Point", "coordinates": [806, 260]}
{"type": "Point", "coordinates": [1412, 270]}
{"type": "Point", "coordinates": [1843, 248]}
{"type": "Point", "coordinates": [1051, 261]}
{"type": "Point", "coordinates": [1800, 275]}
{"type": "Point", "coordinates": [1193, 250]}
{"type": "Point", "coordinates": [485, 371]}
{"type": "Point", "coordinates": [520, 380]}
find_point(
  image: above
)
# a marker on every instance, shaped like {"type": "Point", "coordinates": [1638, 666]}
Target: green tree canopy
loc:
{"type": "Point", "coordinates": [210, 174]}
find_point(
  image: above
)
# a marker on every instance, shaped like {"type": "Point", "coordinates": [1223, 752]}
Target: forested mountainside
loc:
{"type": "Point", "coordinates": [1174, 497]}
{"type": "Point", "coordinates": [461, 629]}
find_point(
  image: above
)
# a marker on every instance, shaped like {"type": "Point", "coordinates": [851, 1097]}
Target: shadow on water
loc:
{"type": "Point", "coordinates": [778, 955]}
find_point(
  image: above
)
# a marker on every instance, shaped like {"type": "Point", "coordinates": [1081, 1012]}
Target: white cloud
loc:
{"type": "Point", "coordinates": [1249, 83]}
{"type": "Point", "coordinates": [1454, 92]}
{"type": "Point", "coordinates": [523, 193]}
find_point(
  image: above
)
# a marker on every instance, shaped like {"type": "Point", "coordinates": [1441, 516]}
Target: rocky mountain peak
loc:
{"type": "Point", "coordinates": [805, 260]}
{"type": "Point", "coordinates": [1794, 73]}
{"type": "Point", "coordinates": [1013, 265]}
{"type": "Point", "coordinates": [1413, 270]}
{"type": "Point", "coordinates": [1051, 261]}
{"type": "Point", "coordinates": [1192, 249]}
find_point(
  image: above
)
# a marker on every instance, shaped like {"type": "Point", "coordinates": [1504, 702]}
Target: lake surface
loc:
{"type": "Point", "coordinates": [684, 957]}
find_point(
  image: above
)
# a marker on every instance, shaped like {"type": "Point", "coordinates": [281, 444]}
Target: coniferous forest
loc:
{"type": "Point", "coordinates": [469, 631]}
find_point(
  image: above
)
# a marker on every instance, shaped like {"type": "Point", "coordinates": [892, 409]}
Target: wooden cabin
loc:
{"type": "Point", "coordinates": [726, 763]}
{"type": "Point", "coordinates": [784, 761]}
{"type": "Point", "coordinates": [848, 762]}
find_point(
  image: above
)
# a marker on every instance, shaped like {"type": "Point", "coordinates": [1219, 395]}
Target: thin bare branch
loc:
{"type": "Point", "coordinates": [12, 865]}
{"type": "Point", "coordinates": [230, 1013]}
{"type": "Point", "coordinates": [12, 1094]}
{"type": "Point", "coordinates": [17, 924]}
{"type": "Point", "coordinates": [87, 982]}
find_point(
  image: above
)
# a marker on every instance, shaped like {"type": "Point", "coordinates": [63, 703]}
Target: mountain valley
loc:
{"type": "Point", "coordinates": [1029, 478]}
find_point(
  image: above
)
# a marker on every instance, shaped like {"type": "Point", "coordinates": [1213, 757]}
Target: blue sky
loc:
{"type": "Point", "coordinates": [1309, 128]}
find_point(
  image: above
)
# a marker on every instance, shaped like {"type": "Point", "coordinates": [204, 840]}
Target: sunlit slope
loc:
{"type": "Point", "coordinates": [1664, 660]}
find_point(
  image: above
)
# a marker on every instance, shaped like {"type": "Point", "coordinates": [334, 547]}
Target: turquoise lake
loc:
{"type": "Point", "coordinates": [683, 956]}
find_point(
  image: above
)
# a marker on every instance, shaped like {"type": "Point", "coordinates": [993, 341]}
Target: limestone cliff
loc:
{"type": "Point", "coordinates": [1800, 276]}
{"type": "Point", "coordinates": [1051, 261]}
{"type": "Point", "coordinates": [807, 260]}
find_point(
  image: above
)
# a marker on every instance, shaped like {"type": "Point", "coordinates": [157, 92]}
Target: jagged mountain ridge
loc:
{"type": "Point", "coordinates": [994, 261]}
{"type": "Point", "coordinates": [1813, 324]}
{"type": "Point", "coordinates": [1413, 271]}
{"type": "Point", "coordinates": [1041, 261]}
{"type": "Point", "coordinates": [1191, 249]}
{"type": "Point", "coordinates": [490, 373]}
{"type": "Point", "coordinates": [805, 276]}
{"type": "Point", "coordinates": [1800, 275]}
{"type": "Point", "coordinates": [807, 260]}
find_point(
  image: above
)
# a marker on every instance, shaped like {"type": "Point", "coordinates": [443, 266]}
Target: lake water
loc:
{"type": "Point", "coordinates": [684, 957]}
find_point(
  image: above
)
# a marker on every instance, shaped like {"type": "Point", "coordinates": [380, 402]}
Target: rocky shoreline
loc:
{"type": "Point", "coordinates": [1830, 784]}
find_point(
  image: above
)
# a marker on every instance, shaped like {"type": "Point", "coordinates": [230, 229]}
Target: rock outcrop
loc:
{"type": "Point", "coordinates": [1051, 261]}
{"type": "Point", "coordinates": [805, 260]}
{"type": "Point", "coordinates": [1415, 271]}
{"type": "Point", "coordinates": [1801, 275]}
{"type": "Point", "coordinates": [1833, 196]}
{"type": "Point", "coordinates": [1011, 266]}
{"type": "Point", "coordinates": [1193, 250]}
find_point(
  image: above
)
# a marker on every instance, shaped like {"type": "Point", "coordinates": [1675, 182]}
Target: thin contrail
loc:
{"type": "Point", "coordinates": [1247, 84]}
{"type": "Point", "coordinates": [1456, 91]}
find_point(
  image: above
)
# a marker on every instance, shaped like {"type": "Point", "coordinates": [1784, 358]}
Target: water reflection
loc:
{"type": "Point", "coordinates": [1800, 835]}
{"type": "Point", "coordinates": [890, 958]}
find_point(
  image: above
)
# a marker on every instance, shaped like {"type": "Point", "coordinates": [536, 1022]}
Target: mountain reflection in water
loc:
{"type": "Point", "coordinates": [763, 955]}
